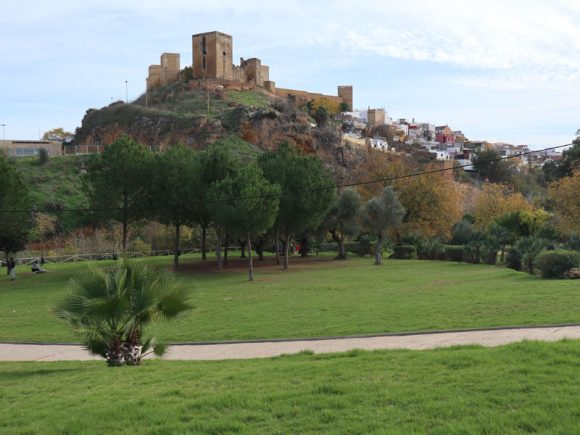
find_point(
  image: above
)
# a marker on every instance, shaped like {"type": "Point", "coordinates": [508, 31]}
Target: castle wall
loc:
{"type": "Point", "coordinates": [305, 96]}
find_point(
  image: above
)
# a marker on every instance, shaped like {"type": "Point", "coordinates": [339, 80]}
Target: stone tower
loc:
{"type": "Point", "coordinates": [345, 94]}
{"type": "Point", "coordinates": [212, 56]}
{"type": "Point", "coordinates": [169, 68]}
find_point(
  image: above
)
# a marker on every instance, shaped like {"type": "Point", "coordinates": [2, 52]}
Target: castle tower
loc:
{"type": "Point", "coordinates": [345, 94]}
{"type": "Point", "coordinates": [169, 68]}
{"type": "Point", "coordinates": [212, 56]}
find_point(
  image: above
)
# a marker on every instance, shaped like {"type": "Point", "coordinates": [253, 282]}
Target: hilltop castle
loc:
{"type": "Point", "coordinates": [212, 66]}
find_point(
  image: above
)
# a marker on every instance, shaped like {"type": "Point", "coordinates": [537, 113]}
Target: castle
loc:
{"type": "Point", "coordinates": [213, 67]}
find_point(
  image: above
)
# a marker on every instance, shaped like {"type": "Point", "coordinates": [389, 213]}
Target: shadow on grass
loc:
{"type": "Point", "coordinates": [23, 374]}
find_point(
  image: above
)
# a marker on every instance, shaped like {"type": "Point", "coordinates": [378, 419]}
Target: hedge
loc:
{"type": "Point", "coordinates": [453, 253]}
{"type": "Point", "coordinates": [404, 252]}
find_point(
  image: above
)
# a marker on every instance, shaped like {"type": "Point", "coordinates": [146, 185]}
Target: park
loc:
{"type": "Point", "coordinates": [516, 387]}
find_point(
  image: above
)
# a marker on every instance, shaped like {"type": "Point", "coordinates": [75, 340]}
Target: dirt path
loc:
{"type": "Point", "coordinates": [489, 338]}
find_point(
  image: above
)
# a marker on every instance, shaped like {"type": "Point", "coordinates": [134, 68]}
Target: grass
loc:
{"type": "Point", "coordinates": [525, 387]}
{"type": "Point", "coordinates": [322, 298]}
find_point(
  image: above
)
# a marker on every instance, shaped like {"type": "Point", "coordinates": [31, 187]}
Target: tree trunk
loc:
{"type": "Point", "coordinates": [277, 245]}
{"type": "Point", "coordinates": [124, 237]}
{"type": "Point", "coordinates": [341, 254]}
{"type": "Point", "coordinates": [502, 254]}
{"type": "Point", "coordinates": [286, 249]}
{"type": "Point", "coordinates": [250, 263]}
{"type": "Point", "coordinates": [176, 247]}
{"type": "Point", "coordinates": [259, 248]}
{"type": "Point", "coordinates": [218, 250]}
{"type": "Point", "coordinates": [6, 261]}
{"type": "Point", "coordinates": [114, 354]}
{"type": "Point", "coordinates": [203, 241]}
{"type": "Point", "coordinates": [379, 250]}
{"type": "Point", "coordinates": [242, 248]}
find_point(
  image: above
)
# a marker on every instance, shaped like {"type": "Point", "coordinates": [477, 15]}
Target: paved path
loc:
{"type": "Point", "coordinates": [490, 338]}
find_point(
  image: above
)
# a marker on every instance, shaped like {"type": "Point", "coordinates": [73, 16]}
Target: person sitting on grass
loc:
{"type": "Point", "coordinates": [37, 267]}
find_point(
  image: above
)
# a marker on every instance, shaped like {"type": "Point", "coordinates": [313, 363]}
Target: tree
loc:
{"type": "Point", "coordinates": [342, 219]}
{"type": "Point", "coordinates": [214, 164]}
{"type": "Point", "coordinates": [488, 164]}
{"type": "Point", "coordinates": [15, 222]}
{"type": "Point", "coordinates": [246, 204]}
{"type": "Point", "coordinates": [495, 200]}
{"type": "Point", "coordinates": [379, 214]}
{"type": "Point", "coordinates": [56, 134]}
{"type": "Point", "coordinates": [111, 310]}
{"type": "Point", "coordinates": [307, 191]}
{"type": "Point", "coordinates": [571, 158]}
{"type": "Point", "coordinates": [117, 183]}
{"type": "Point", "coordinates": [433, 202]}
{"type": "Point", "coordinates": [523, 223]}
{"type": "Point", "coordinates": [174, 190]}
{"type": "Point", "coordinates": [565, 196]}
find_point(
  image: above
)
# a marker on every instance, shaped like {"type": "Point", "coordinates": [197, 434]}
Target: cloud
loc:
{"type": "Point", "coordinates": [514, 46]}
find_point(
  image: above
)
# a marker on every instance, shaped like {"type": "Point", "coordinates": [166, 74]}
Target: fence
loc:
{"type": "Point", "coordinates": [102, 256]}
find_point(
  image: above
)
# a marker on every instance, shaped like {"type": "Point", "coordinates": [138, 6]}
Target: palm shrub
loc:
{"type": "Point", "coordinates": [524, 253]}
{"type": "Point", "coordinates": [111, 311]}
{"type": "Point", "coordinates": [472, 251]}
{"type": "Point", "coordinates": [431, 249]}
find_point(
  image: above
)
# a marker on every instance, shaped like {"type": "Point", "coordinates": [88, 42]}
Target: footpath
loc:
{"type": "Point", "coordinates": [267, 349]}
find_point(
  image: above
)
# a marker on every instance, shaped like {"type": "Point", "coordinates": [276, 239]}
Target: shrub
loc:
{"type": "Point", "coordinates": [42, 156]}
{"type": "Point", "coordinates": [430, 249]}
{"type": "Point", "coordinates": [412, 239]}
{"type": "Point", "coordinates": [364, 246]}
{"type": "Point", "coordinates": [573, 242]}
{"type": "Point", "coordinates": [524, 253]}
{"type": "Point", "coordinates": [489, 251]}
{"type": "Point", "coordinates": [352, 247]}
{"type": "Point", "coordinates": [328, 247]}
{"type": "Point", "coordinates": [453, 252]}
{"type": "Point", "coordinates": [553, 264]}
{"type": "Point", "coordinates": [404, 252]}
{"type": "Point", "coordinates": [513, 260]}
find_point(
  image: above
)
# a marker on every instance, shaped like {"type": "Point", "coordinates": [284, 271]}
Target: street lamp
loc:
{"type": "Point", "coordinates": [3, 131]}
{"type": "Point", "coordinates": [126, 93]}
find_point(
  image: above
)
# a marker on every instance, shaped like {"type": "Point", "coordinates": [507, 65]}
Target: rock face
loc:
{"type": "Point", "coordinates": [157, 129]}
{"type": "Point", "coordinates": [265, 128]}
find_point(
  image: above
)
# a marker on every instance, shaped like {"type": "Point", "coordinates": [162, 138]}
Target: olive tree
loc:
{"type": "Point", "coordinates": [379, 214]}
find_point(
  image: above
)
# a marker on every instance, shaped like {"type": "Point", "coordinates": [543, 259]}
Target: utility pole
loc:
{"type": "Point", "coordinates": [126, 93]}
{"type": "Point", "coordinates": [146, 94]}
{"type": "Point", "coordinates": [3, 131]}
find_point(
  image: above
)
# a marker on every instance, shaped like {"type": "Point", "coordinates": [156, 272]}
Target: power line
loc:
{"type": "Point", "coordinates": [340, 186]}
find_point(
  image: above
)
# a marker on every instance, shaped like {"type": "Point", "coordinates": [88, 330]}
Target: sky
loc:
{"type": "Point", "coordinates": [497, 70]}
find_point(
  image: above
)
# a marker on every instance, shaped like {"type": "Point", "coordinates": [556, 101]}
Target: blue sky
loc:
{"type": "Point", "coordinates": [497, 70]}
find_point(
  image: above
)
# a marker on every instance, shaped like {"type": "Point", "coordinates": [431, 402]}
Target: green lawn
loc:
{"type": "Point", "coordinates": [525, 387]}
{"type": "Point", "coordinates": [323, 298]}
